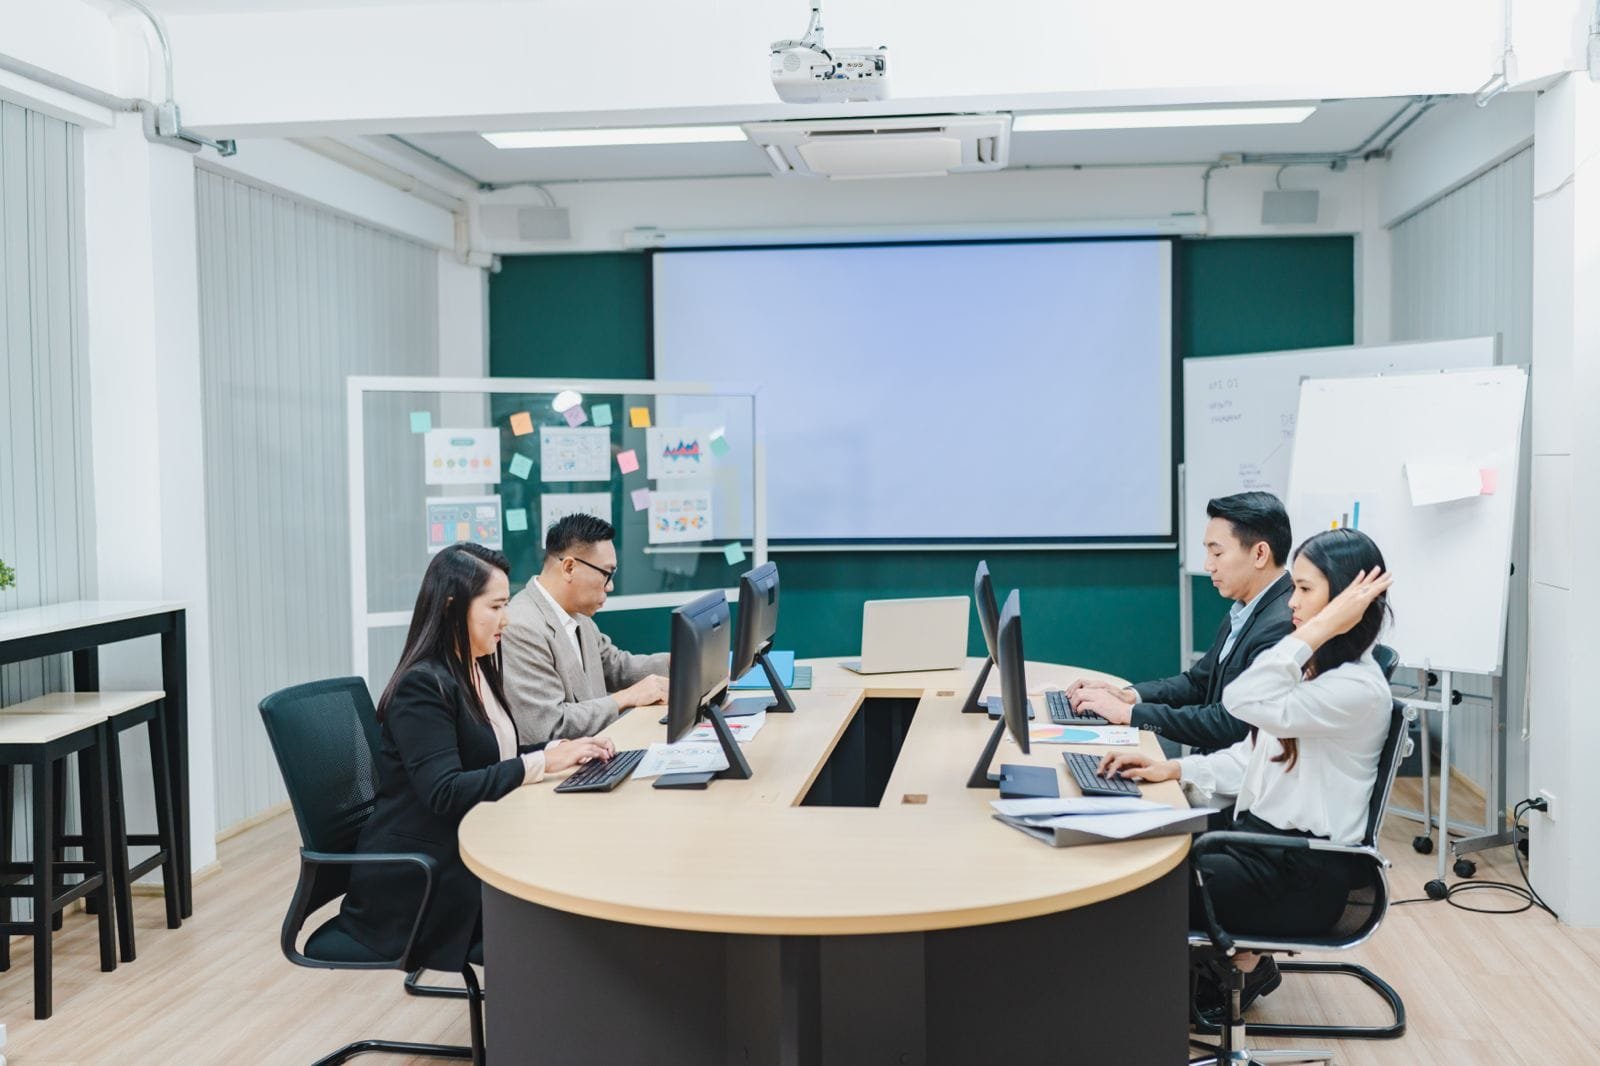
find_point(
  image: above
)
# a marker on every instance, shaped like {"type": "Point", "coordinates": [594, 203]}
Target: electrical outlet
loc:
{"type": "Point", "coordinates": [1549, 798]}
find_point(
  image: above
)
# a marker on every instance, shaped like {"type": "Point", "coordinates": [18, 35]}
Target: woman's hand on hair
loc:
{"type": "Point", "coordinates": [1346, 609]}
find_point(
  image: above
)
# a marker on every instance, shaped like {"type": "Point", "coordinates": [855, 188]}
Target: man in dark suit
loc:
{"type": "Point", "coordinates": [1247, 546]}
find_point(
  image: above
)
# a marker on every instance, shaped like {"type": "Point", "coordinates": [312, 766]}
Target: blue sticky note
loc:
{"type": "Point", "coordinates": [421, 421]}
{"type": "Point", "coordinates": [516, 520]}
{"type": "Point", "coordinates": [600, 414]}
{"type": "Point", "coordinates": [520, 465]}
{"type": "Point", "coordinates": [756, 678]}
{"type": "Point", "coordinates": [734, 553]}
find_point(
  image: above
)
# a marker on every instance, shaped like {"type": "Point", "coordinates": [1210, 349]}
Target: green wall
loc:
{"type": "Point", "coordinates": [589, 316]}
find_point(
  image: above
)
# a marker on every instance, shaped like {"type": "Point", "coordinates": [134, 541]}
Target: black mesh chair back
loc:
{"type": "Point", "coordinates": [1387, 659]}
{"type": "Point", "coordinates": [320, 733]}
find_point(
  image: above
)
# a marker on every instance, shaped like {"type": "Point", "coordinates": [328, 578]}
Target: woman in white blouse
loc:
{"type": "Point", "coordinates": [447, 745]}
{"type": "Point", "coordinates": [1318, 708]}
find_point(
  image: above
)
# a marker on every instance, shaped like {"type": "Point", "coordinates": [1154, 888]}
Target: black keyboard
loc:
{"type": "Point", "coordinates": [604, 776]}
{"type": "Point", "coordinates": [1090, 783]}
{"type": "Point", "coordinates": [1061, 712]}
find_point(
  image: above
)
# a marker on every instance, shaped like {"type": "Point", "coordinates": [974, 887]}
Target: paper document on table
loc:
{"type": "Point", "coordinates": [1081, 805]}
{"type": "Point", "coordinates": [743, 728]}
{"type": "Point", "coordinates": [681, 758]}
{"type": "Point", "coordinates": [1436, 482]}
{"type": "Point", "coordinates": [1070, 829]}
{"type": "Point", "coordinates": [1113, 736]}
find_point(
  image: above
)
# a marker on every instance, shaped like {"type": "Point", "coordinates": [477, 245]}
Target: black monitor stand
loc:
{"type": "Point", "coordinates": [975, 702]}
{"type": "Point", "coordinates": [1015, 781]}
{"type": "Point", "coordinates": [781, 701]}
{"type": "Point", "coordinates": [738, 768]}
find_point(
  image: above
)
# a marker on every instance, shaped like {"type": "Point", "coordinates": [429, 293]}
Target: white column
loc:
{"type": "Point", "coordinates": [463, 337]}
{"type": "Point", "coordinates": [1373, 260]}
{"type": "Point", "coordinates": [1564, 628]}
{"type": "Point", "coordinates": [144, 382]}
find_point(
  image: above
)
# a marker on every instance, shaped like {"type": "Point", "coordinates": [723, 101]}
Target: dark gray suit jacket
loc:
{"type": "Point", "coordinates": [1188, 708]}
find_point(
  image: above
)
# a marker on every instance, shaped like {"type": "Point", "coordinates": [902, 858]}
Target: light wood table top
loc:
{"type": "Point", "coordinates": [744, 857]}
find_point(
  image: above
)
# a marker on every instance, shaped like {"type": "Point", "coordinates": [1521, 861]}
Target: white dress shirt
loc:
{"type": "Point", "coordinates": [1239, 614]}
{"type": "Point", "coordinates": [505, 733]}
{"type": "Point", "coordinates": [1339, 719]}
{"type": "Point", "coordinates": [569, 624]}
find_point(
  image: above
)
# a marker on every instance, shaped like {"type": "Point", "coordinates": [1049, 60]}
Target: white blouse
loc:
{"type": "Point", "coordinates": [1340, 720]}
{"type": "Point", "coordinates": [505, 733]}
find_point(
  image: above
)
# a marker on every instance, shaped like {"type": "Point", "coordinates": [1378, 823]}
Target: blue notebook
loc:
{"type": "Point", "coordinates": [756, 678]}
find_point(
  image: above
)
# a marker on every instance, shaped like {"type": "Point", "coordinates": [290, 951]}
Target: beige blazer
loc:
{"type": "Point", "coordinates": [552, 694]}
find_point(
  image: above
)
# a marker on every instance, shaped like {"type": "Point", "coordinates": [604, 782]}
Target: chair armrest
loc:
{"type": "Point", "coordinates": [299, 907]}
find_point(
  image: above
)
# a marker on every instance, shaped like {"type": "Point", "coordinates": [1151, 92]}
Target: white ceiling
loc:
{"type": "Point", "coordinates": [1336, 126]}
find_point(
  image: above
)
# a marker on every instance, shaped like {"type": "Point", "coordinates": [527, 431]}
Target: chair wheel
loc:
{"type": "Point", "coordinates": [1465, 867]}
{"type": "Point", "coordinates": [1422, 845]}
{"type": "Point", "coordinates": [1436, 889]}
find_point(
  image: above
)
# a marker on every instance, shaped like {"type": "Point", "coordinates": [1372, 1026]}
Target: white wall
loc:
{"type": "Point", "coordinates": [1449, 146]}
{"type": "Point", "coordinates": [1564, 628]}
{"type": "Point", "coordinates": [144, 368]}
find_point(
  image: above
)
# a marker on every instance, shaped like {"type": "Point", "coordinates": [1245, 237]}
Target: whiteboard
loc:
{"type": "Point", "coordinates": [1239, 415]}
{"type": "Point", "coordinates": [1451, 561]}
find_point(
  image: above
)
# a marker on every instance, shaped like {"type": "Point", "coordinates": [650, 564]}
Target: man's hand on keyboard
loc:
{"type": "Point", "coordinates": [1107, 704]}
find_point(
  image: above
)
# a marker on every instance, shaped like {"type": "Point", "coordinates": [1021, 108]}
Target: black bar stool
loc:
{"type": "Point", "coordinates": [40, 741]}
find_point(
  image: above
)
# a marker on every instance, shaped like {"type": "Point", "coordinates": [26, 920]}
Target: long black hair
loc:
{"type": "Point", "coordinates": [1340, 554]}
{"type": "Point", "coordinates": [439, 635]}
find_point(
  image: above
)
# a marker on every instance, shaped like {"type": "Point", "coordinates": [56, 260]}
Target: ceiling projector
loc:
{"type": "Point", "coordinates": [806, 71]}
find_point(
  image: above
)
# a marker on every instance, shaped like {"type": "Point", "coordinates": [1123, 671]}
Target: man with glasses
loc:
{"type": "Point", "coordinates": [563, 677]}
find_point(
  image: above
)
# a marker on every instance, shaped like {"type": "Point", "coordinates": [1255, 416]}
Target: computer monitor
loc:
{"type": "Point", "coordinates": [988, 623]}
{"type": "Point", "coordinates": [752, 641]}
{"type": "Point", "coordinates": [1013, 780]}
{"type": "Point", "coordinates": [697, 679]}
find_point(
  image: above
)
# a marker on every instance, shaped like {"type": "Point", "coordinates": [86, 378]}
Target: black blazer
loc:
{"type": "Point", "coordinates": [1188, 708]}
{"type": "Point", "coordinates": [435, 762]}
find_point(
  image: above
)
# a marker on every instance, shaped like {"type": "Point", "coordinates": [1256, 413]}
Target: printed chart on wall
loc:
{"type": "Point", "coordinates": [574, 454]}
{"type": "Point", "coordinates": [457, 519]}
{"type": "Point", "coordinates": [554, 506]}
{"type": "Point", "coordinates": [680, 517]}
{"type": "Point", "coordinates": [676, 453]}
{"type": "Point", "coordinates": [462, 456]}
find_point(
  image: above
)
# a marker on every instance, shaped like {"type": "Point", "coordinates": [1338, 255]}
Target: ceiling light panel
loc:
{"type": "Point", "coordinates": [612, 137]}
{"type": "Point", "coordinates": [1141, 120]}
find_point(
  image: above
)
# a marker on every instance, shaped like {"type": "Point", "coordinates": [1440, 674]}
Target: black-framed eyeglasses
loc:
{"type": "Point", "coordinates": [609, 575]}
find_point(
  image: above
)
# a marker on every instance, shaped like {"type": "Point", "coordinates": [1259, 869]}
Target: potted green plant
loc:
{"type": "Point", "coordinates": [8, 576]}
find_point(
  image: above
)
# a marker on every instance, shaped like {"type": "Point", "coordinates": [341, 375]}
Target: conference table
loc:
{"type": "Point", "coordinates": [853, 901]}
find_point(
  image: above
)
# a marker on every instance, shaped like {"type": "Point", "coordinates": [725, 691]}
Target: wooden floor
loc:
{"type": "Point", "coordinates": [1516, 989]}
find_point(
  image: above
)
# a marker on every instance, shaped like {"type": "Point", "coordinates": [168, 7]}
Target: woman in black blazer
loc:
{"type": "Point", "coordinates": [447, 744]}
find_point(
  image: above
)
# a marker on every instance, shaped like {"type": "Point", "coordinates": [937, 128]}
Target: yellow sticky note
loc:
{"type": "Point", "coordinates": [522, 423]}
{"type": "Point", "coordinates": [639, 417]}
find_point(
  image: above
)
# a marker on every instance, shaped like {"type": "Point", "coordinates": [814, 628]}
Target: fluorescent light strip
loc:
{"type": "Point", "coordinates": [1136, 120]}
{"type": "Point", "coordinates": [602, 138]}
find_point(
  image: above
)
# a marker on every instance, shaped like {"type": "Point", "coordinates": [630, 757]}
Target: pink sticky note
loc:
{"type": "Point", "coordinates": [575, 416]}
{"type": "Point", "coordinates": [1489, 480]}
{"type": "Point", "coordinates": [627, 461]}
{"type": "Point", "coordinates": [641, 499]}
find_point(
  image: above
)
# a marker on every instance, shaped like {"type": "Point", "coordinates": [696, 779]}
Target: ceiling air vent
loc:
{"type": "Point", "coordinates": [916, 146]}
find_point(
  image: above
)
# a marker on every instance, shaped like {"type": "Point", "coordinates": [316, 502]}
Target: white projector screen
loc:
{"type": "Point", "coordinates": [1014, 391]}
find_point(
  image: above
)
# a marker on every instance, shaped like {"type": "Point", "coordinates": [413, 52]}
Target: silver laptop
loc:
{"type": "Point", "coordinates": [921, 634]}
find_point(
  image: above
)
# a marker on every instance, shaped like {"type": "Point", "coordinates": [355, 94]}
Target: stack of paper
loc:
{"type": "Point", "coordinates": [1114, 736]}
{"type": "Point", "coordinates": [681, 758]}
{"type": "Point", "coordinates": [744, 729]}
{"type": "Point", "coordinates": [1094, 820]}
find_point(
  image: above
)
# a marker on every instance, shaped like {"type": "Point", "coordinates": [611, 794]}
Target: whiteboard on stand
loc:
{"type": "Point", "coordinates": [1239, 415]}
{"type": "Point", "coordinates": [1367, 450]}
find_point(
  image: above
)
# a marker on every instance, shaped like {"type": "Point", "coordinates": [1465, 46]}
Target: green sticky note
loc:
{"type": "Point", "coordinates": [719, 445]}
{"type": "Point", "coordinates": [520, 465]}
{"type": "Point", "coordinates": [421, 421]}
{"type": "Point", "coordinates": [734, 553]}
{"type": "Point", "coordinates": [600, 414]}
{"type": "Point", "coordinates": [516, 520]}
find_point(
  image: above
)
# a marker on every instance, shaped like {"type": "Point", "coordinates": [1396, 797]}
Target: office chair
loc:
{"type": "Point", "coordinates": [321, 737]}
{"type": "Point", "coordinates": [1364, 910]}
{"type": "Point", "coordinates": [1387, 659]}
